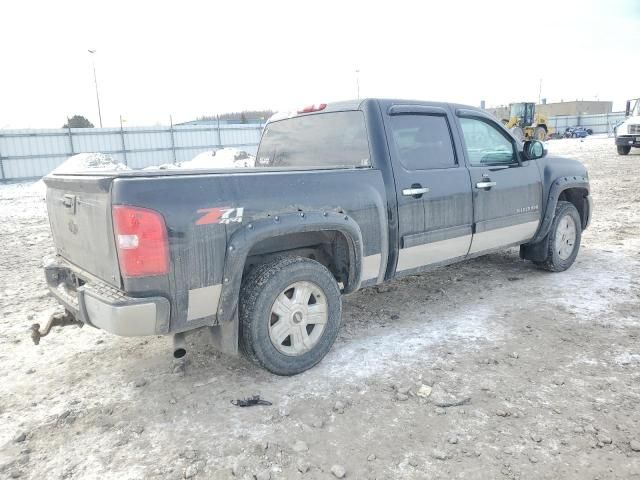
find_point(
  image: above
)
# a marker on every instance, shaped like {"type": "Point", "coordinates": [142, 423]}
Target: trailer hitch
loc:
{"type": "Point", "coordinates": [56, 320]}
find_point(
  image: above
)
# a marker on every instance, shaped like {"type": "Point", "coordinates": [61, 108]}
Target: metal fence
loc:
{"type": "Point", "coordinates": [601, 123]}
{"type": "Point", "coordinates": [35, 153]}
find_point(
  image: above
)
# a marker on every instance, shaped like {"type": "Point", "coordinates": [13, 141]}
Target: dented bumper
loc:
{"type": "Point", "coordinates": [102, 306]}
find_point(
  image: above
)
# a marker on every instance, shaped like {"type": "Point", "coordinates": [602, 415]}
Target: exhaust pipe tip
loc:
{"type": "Point", "coordinates": [179, 346]}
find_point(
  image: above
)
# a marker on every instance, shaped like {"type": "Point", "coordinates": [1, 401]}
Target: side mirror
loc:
{"type": "Point", "coordinates": [533, 149]}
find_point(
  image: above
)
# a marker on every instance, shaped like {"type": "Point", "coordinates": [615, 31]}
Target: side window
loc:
{"type": "Point", "coordinates": [486, 145]}
{"type": "Point", "coordinates": [423, 142]}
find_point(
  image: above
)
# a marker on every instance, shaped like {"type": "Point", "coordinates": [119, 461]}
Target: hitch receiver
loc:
{"type": "Point", "coordinates": [55, 320]}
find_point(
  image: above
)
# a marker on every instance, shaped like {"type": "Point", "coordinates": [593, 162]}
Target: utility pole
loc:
{"type": "Point", "coordinates": [358, 84]}
{"type": "Point", "coordinates": [540, 92]}
{"type": "Point", "coordinates": [95, 80]}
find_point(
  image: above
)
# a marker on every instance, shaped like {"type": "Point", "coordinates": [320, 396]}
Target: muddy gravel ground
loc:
{"type": "Point", "coordinates": [487, 369]}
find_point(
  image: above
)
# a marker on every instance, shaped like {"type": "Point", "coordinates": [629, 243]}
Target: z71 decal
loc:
{"type": "Point", "coordinates": [224, 215]}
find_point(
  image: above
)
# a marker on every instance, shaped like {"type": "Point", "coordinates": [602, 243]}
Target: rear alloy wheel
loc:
{"type": "Point", "coordinates": [540, 134]}
{"type": "Point", "coordinates": [564, 238]}
{"type": "Point", "coordinates": [290, 313]}
{"type": "Point", "coordinates": [623, 149]}
{"type": "Point", "coordinates": [298, 317]}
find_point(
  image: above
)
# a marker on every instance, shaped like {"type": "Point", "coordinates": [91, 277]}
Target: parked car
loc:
{"type": "Point", "coordinates": [342, 196]}
{"type": "Point", "coordinates": [577, 132]}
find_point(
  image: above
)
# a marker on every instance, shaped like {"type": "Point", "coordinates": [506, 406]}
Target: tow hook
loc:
{"type": "Point", "coordinates": [55, 320]}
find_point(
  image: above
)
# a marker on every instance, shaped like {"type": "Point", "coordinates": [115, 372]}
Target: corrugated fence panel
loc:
{"type": "Point", "coordinates": [103, 140]}
{"type": "Point", "coordinates": [241, 136]}
{"type": "Point", "coordinates": [34, 153]}
{"type": "Point", "coordinates": [195, 136]}
{"type": "Point", "coordinates": [25, 142]}
{"type": "Point", "coordinates": [30, 167]}
{"type": "Point", "coordinates": [144, 139]}
{"type": "Point", "coordinates": [602, 123]}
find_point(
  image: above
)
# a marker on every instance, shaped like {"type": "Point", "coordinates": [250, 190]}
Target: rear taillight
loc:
{"type": "Point", "coordinates": [141, 239]}
{"type": "Point", "coordinates": [313, 108]}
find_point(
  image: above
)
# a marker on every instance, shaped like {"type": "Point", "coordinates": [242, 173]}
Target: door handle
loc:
{"type": "Point", "coordinates": [413, 191]}
{"type": "Point", "coordinates": [485, 184]}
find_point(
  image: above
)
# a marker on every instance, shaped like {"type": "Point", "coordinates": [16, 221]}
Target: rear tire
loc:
{"type": "Point", "coordinates": [563, 238]}
{"type": "Point", "coordinates": [623, 149]}
{"type": "Point", "coordinates": [540, 134]}
{"type": "Point", "coordinates": [282, 303]}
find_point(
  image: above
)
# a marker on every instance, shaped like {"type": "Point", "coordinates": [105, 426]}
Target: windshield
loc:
{"type": "Point", "coordinates": [517, 110]}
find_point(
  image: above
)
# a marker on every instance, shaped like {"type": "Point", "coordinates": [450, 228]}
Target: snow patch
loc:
{"type": "Point", "coordinates": [628, 359]}
{"type": "Point", "coordinates": [224, 158]}
{"type": "Point", "coordinates": [381, 350]}
{"type": "Point", "coordinates": [83, 162]}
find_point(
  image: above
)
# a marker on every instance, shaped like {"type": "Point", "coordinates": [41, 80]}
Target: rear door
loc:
{"type": "Point", "coordinates": [432, 187]}
{"type": "Point", "coordinates": [507, 192]}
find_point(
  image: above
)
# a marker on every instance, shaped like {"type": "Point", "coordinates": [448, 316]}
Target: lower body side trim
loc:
{"type": "Point", "coordinates": [434, 252]}
{"type": "Point", "coordinates": [498, 237]}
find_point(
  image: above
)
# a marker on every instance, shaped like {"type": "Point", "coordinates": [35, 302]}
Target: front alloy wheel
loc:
{"type": "Point", "coordinates": [563, 238]}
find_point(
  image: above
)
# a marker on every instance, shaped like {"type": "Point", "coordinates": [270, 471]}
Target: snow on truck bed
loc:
{"type": "Point", "coordinates": [212, 159]}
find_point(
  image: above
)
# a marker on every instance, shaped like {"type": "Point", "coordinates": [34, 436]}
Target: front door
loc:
{"type": "Point", "coordinates": [435, 212]}
{"type": "Point", "coordinates": [507, 192]}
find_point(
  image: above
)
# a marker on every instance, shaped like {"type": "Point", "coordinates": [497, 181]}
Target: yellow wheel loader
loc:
{"type": "Point", "coordinates": [525, 124]}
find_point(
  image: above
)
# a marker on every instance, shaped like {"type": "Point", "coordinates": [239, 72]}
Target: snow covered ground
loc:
{"type": "Point", "coordinates": [545, 367]}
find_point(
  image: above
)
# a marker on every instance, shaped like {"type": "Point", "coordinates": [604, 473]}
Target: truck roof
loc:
{"type": "Point", "coordinates": [356, 104]}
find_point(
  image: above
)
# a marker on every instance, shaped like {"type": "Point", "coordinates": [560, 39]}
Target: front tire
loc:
{"type": "Point", "coordinates": [540, 134]}
{"type": "Point", "coordinates": [623, 149]}
{"type": "Point", "coordinates": [564, 238]}
{"type": "Point", "coordinates": [290, 313]}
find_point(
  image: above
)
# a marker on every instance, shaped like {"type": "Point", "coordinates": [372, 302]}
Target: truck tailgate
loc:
{"type": "Point", "coordinates": [79, 210]}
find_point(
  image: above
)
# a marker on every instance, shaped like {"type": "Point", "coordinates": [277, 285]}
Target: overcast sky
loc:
{"type": "Point", "coordinates": [188, 58]}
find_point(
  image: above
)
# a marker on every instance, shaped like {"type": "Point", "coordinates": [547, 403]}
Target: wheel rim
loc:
{"type": "Point", "coordinates": [298, 318]}
{"type": "Point", "coordinates": [565, 237]}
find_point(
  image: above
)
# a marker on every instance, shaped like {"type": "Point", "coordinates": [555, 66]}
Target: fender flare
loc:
{"type": "Point", "coordinates": [242, 241]}
{"type": "Point", "coordinates": [557, 187]}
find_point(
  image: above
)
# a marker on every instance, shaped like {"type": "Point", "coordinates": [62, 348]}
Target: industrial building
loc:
{"type": "Point", "coordinates": [560, 109]}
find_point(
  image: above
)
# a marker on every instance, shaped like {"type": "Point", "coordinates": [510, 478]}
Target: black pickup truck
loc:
{"type": "Point", "coordinates": [342, 196]}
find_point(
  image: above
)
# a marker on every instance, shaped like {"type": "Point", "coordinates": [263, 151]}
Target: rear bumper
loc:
{"type": "Point", "coordinates": [628, 140]}
{"type": "Point", "coordinates": [105, 307]}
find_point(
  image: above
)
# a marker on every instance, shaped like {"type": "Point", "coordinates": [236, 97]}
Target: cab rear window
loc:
{"type": "Point", "coordinates": [325, 140]}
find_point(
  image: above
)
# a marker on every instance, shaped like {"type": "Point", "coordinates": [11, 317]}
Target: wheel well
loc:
{"type": "Point", "coordinates": [331, 248]}
{"type": "Point", "coordinates": [576, 196]}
